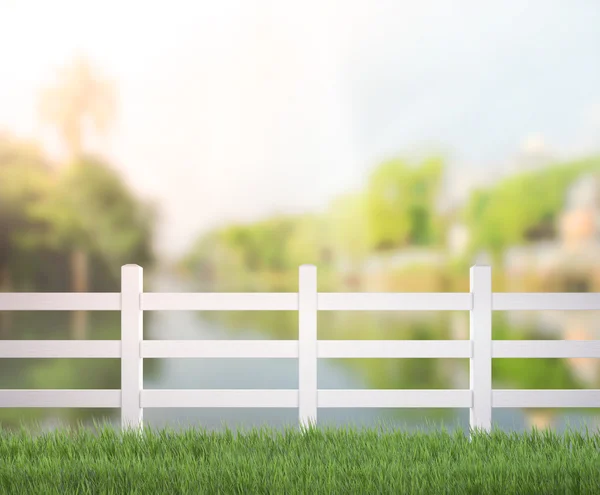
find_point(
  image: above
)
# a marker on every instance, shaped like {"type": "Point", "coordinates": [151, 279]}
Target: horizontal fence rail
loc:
{"type": "Point", "coordinates": [288, 301]}
{"type": "Point", "coordinates": [326, 301]}
{"type": "Point", "coordinates": [546, 348]}
{"type": "Point", "coordinates": [132, 398]}
{"type": "Point", "coordinates": [557, 301]}
{"type": "Point", "coordinates": [57, 301]}
{"type": "Point", "coordinates": [279, 349]}
{"type": "Point", "coordinates": [224, 301]}
{"type": "Point", "coordinates": [394, 301]}
{"type": "Point", "coordinates": [289, 398]}
{"type": "Point", "coordinates": [546, 398]}
{"type": "Point", "coordinates": [60, 398]}
{"type": "Point", "coordinates": [289, 349]}
{"type": "Point", "coordinates": [60, 348]}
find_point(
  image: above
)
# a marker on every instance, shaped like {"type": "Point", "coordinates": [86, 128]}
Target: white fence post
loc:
{"type": "Point", "coordinates": [132, 375]}
{"type": "Point", "coordinates": [307, 345]}
{"type": "Point", "coordinates": [481, 337]}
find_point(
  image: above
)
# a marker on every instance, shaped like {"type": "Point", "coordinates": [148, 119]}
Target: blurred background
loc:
{"type": "Point", "coordinates": [219, 145]}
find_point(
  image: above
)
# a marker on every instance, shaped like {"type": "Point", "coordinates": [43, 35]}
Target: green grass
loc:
{"type": "Point", "coordinates": [313, 461]}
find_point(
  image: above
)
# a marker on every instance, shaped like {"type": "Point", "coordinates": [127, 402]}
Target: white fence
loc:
{"type": "Point", "coordinates": [132, 398]}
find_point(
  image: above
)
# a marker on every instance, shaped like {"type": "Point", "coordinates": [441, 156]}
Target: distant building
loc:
{"type": "Point", "coordinates": [572, 260]}
{"type": "Point", "coordinates": [580, 221]}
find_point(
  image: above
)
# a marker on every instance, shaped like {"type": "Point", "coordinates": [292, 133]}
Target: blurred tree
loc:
{"type": "Point", "coordinates": [426, 222]}
{"type": "Point", "coordinates": [402, 202]}
{"type": "Point", "coordinates": [521, 208]}
{"type": "Point", "coordinates": [92, 208]}
{"type": "Point", "coordinates": [201, 259]}
{"type": "Point", "coordinates": [275, 247]}
{"type": "Point", "coordinates": [80, 99]}
{"type": "Point", "coordinates": [240, 239]}
{"type": "Point", "coordinates": [348, 226]}
{"type": "Point", "coordinates": [399, 207]}
{"type": "Point", "coordinates": [262, 244]}
{"type": "Point", "coordinates": [308, 243]}
{"type": "Point", "coordinates": [24, 177]}
{"type": "Point", "coordinates": [386, 196]}
{"type": "Point", "coordinates": [271, 238]}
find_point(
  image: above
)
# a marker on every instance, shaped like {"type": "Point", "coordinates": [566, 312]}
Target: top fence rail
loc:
{"type": "Point", "coordinates": [288, 301]}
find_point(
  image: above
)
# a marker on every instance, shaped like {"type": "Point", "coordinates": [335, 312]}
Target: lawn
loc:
{"type": "Point", "coordinates": [312, 461]}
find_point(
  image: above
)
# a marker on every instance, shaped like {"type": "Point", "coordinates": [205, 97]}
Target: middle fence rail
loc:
{"type": "Point", "coordinates": [132, 398]}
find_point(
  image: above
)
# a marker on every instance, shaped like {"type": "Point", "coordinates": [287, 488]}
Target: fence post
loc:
{"type": "Point", "coordinates": [481, 337]}
{"type": "Point", "coordinates": [307, 345]}
{"type": "Point", "coordinates": [132, 375]}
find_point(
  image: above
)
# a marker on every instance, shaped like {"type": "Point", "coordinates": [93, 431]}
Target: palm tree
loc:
{"type": "Point", "coordinates": [79, 98]}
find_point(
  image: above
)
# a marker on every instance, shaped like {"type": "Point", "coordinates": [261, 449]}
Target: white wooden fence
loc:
{"type": "Point", "coordinates": [132, 398]}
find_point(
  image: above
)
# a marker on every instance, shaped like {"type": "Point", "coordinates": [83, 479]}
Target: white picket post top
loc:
{"type": "Point", "coordinates": [132, 334]}
{"type": "Point", "coordinates": [132, 349]}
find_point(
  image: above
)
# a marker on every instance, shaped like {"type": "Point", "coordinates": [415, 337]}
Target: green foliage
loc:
{"type": "Point", "coordinates": [401, 204]}
{"type": "Point", "coordinates": [503, 215]}
{"type": "Point", "coordinates": [270, 238]}
{"type": "Point", "coordinates": [91, 207]}
{"type": "Point", "coordinates": [261, 245]}
{"type": "Point", "coordinates": [87, 206]}
{"type": "Point", "coordinates": [308, 242]}
{"type": "Point", "coordinates": [24, 178]}
{"type": "Point", "coordinates": [347, 222]}
{"type": "Point", "coordinates": [398, 206]}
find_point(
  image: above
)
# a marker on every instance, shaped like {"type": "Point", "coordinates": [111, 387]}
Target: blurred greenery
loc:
{"type": "Point", "coordinates": [44, 215]}
{"type": "Point", "coordinates": [24, 178]}
{"type": "Point", "coordinates": [398, 208]}
{"type": "Point", "coordinates": [401, 204]}
{"type": "Point", "coordinates": [80, 97]}
{"type": "Point", "coordinates": [522, 208]}
{"type": "Point", "coordinates": [93, 209]}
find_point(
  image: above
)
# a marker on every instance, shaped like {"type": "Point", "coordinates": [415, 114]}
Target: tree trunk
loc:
{"type": "Point", "coordinates": [5, 286]}
{"type": "Point", "coordinates": [79, 283]}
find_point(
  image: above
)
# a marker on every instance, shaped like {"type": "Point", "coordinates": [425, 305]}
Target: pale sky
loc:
{"type": "Point", "coordinates": [233, 110]}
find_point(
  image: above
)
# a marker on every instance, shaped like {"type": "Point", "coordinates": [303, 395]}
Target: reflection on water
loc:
{"type": "Point", "coordinates": [283, 373]}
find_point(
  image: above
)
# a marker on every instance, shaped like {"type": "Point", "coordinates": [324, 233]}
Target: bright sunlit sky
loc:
{"type": "Point", "coordinates": [234, 110]}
